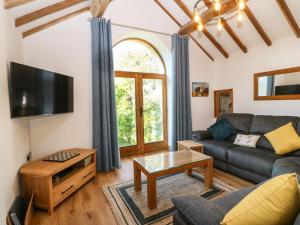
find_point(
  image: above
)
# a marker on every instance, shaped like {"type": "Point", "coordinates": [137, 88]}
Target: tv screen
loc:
{"type": "Point", "coordinates": [35, 91]}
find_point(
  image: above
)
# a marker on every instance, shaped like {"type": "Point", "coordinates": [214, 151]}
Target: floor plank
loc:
{"type": "Point", "coordinates": [88, 206]}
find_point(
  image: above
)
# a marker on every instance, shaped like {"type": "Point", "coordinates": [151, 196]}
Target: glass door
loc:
{"type": "Point", "coordinates": [141, 112]}
{"type": "Point", "coordinates": [126, 104]}
{"type": "Point", "coordinates": [154, 112]}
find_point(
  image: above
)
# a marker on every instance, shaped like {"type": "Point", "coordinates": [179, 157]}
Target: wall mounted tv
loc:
{"type": "Point", "coordinates": [34, 92]}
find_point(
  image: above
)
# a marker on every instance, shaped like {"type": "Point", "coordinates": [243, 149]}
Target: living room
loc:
{"type": "Point", "coordinates": [177, 67]}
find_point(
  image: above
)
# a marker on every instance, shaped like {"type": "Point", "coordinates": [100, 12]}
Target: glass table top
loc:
{"type": "Point", "coordinates": [167, 160]}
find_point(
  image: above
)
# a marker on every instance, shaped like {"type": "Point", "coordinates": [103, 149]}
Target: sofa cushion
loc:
{"type": "Point", "coordinates": [221, 130]}
{"type": "Point", "coordinates": [256, 160]}
{"type": "Point", "coordinates": [274, 202]}
{"type": "Point", "coordinates": [197, 210]}
{"type": "Point", "coordinates": [287, 165]}
{"type": "Point", "coordinates": [265, 124]}
{"type": "Point", "coordinates": [263, 142]}
{"type": "Point", "coordinates": [284, 140]}
{"type": "Point", "coordinates": [240, 121]}
{"type": "Point", "coordinates": [230, 200]}
{"type": "Point", "coordinates": [217, 149]}
{"type": "Point", "coordinates": [246, 140]}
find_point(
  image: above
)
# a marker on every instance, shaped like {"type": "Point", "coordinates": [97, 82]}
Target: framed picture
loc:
{"type": "Point", "coordinates": [200, 89]}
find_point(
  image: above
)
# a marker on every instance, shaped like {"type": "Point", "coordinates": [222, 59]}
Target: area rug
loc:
{"type": "Point", "coordinates": [130, 207]}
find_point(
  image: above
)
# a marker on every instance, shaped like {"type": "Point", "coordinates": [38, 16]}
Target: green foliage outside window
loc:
{"type": "Point", "coordinates": [134, 56]}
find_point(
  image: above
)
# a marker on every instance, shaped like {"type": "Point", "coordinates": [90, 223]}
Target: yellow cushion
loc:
{"type": "Point", "coordinates": [284, 139]}
{"type": "Point", "coordinates": [275, 202]}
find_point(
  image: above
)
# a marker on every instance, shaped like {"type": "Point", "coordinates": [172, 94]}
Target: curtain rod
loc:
{"type": "Point", "coordinates": [137, 28]}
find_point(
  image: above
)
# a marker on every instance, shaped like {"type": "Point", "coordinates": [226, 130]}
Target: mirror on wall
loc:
{"type": "Point", "coordinates": [277, 85]}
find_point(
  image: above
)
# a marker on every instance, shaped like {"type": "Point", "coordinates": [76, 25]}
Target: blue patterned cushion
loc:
{"type": "Point", "coordinates": [221, 130]}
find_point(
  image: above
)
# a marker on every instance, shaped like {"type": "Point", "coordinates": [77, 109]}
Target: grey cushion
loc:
{"type": "Point", "coordinates": [240, 121]}
{"type": "Point", "coordinates": [230, 200]}
{"type": "Point", "coordinates": [263, 142]}
{"type": "Point", "coordinates": [265, 124]}
{"type": "Point", "coordinates": [255, 160]}
{"type": "Point", "coordinates": [217, 149]}
{"type": "Point", "coordinates": [287, 165]}
{"type": "Point", "coordinates": [198, 211]}
{"type": "Point", "coordinates": [201, 135]}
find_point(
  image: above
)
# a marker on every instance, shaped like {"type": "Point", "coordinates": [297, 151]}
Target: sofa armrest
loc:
{"type": "Point", "coordinates": [201, 135]}
{"type": "Point", "coordinates": [197, 210]}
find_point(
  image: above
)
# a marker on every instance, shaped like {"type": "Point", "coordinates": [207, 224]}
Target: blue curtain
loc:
{"type": "Point", "coordinates": [105, 133]}
{"type": "Point", "coordinates": [181, 107]}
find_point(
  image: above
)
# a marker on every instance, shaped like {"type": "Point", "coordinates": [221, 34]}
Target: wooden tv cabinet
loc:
{"type": "Point", "coordinates": [53, 182]}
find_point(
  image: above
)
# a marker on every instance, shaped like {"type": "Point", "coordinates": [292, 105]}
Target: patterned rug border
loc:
{"type": "Point", "coordinates": [120, 210]}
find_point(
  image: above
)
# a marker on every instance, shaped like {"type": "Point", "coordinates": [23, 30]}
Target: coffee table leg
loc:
{"type": "Point", "coordinates": [209, 174]}
{"type": "Point", "coordinates": [137, 178]}
{"type": "Point", "coordinates": [151, 191]}
{"type": "Point", "coordinates": [189, 172]}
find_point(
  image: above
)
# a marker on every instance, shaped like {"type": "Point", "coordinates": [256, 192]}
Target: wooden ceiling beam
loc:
{"type": "Point", "coordinates": [54, 22]}
{"type": "Point", "coordinates": [289, 16]}
{"type": "Point", "coordinates": [8, 4]}
{"type": "Point", "coordinates": [215, 43]}
{"type": "Point", "coordinates": [185, 9]}
{"type": "Point", "coordinates": [46, 11]}
{"type": "Point", "coordinates": [257, 26]}
{"type": "Point", "coordinates": [98, 7]}
{"type": "Point", "coordinates": [234, 37]}
{"type": "Point", "coordinates": [179, 24]}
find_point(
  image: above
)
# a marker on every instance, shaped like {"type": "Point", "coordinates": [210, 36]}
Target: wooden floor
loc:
{"type": "Point", "coordinates": [88, 206]}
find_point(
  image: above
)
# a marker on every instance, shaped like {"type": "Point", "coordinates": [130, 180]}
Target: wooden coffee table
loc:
{"type": "Point", "coordinates": [162, 164]}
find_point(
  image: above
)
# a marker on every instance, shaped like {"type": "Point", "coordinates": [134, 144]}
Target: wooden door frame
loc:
{"type": "Point", "coordinates": [141, 147]}
{"type": "Point", "coordinates": [216, 100]}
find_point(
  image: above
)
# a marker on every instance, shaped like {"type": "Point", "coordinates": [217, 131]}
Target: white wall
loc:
{"type": "Point", "coordinates": [13, 133]}
{"type": "Point", "coordinates": [66, 48]}
{"type": "Point", "coordinates": [237, 73]}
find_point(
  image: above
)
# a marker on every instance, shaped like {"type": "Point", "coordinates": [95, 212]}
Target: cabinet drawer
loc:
{"type": "Point", "coordinates": [67, 187]}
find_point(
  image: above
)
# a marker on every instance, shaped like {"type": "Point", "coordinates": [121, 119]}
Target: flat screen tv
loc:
{"type": "Point", "coordinates": [34, 92]}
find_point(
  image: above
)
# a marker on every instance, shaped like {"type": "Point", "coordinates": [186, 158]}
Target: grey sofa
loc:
{"type": "Point", "coordinates": [253, 164]}
{"type": "Point", "coordinates": [191, 210]}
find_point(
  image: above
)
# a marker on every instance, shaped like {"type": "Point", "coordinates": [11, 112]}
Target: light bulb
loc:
{"type": "Point", "coordinates": [196, 16]}
{"type": "Point", "coordinates": [220, 25]}
{"type": "Point", "coordinates": [240, 16]}
{"type": "Point", "coordinates": [217, 5]}
{"type": "Point", "coordinates": [200, 26]}
{"type": "Point", "coordinates": [242, 5]}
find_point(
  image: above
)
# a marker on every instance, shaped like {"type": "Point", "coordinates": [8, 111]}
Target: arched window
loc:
{"type": "Point", "coordinates": [140, 88]}
{"type": "Point", "coordinates": [136, 55]}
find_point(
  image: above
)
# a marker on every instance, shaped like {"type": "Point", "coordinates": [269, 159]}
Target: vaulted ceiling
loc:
{"type": "Point", "coordinates": [265, 22]}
